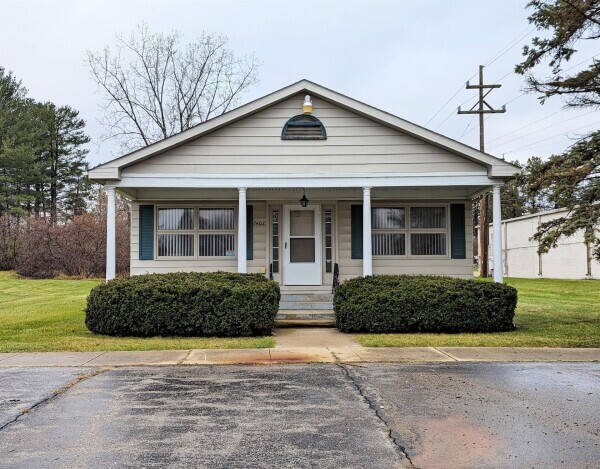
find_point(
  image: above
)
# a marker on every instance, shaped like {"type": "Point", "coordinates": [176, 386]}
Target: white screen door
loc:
{"type": "Point", "coordinates": [302, 245]}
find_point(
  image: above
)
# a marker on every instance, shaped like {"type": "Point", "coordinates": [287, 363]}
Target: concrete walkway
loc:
{"type": "Point", "coordinates": [298, 354]}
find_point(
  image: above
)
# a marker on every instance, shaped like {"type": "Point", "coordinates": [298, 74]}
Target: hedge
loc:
{"type": "Point", "coordinates": [405, 303]}
{"type": "Point", "coordinates": [184, 304]}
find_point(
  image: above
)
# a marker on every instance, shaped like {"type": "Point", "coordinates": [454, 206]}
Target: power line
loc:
{"type": "Point", "coordinates": [467, 128]}
{"type": "Point", "coordinates": [524, 93]}
{"type": "Point", "coordinates": [453, 111]}
{"type": "Point", "coordinates": [446, 103]}
{"type": "Point", "coordinates": [483, 107]}
{"type": "Point", "coordinates": [512, 43]}
{"type": "Point", "coordinates": [473, 128]}
{"type": "Point", "coordinates": [580, 63]}
{"type": "Point", "coordinates": [525, 126]}
{"type": "Point", "coordinates": [514, 99]}
{"type": "Point", "coordinates": [550, 138]}
{"type": "Point", "coordinates": [539, 130]}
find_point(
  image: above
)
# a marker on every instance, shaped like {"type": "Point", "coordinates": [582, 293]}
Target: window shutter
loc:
{"type": "Point", "coordinates": [146, 241]}
{"type": "Point", "coordinates": [249, 232]}
{"type": "Point", "coordinates": [458, 247]}
{"type": "Point", "coordinates": [356, 231]}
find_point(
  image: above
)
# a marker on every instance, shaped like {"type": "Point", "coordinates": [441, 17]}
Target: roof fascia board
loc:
{"type": "Point", "coordinates": [496, 167]}
{"type": "Point", "coordinates": [198, 130]}
{"type": "Point", "coordinates": [405, 126]}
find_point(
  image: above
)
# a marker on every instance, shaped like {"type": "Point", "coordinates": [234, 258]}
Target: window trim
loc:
{"type": "Point", "coordinates": [407, 230]}
{"type": "Point", "coordinates": [196, 231]}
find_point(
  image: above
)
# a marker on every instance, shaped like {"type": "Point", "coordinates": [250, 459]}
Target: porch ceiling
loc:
{"type": "Point", "coordinates": [313, 193]}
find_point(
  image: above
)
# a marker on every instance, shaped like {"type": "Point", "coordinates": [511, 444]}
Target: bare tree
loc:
{"type": "Point", "coordinates": [153, 86]}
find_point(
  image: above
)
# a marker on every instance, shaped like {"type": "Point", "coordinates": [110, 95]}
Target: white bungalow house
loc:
{"type": "Point", "coordinates": [307, 186]}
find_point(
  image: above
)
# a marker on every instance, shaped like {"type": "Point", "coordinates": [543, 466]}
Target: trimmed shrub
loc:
{"type": "Point", "coordinates": [184, 304]}
{"type": "Point", "coordinates": [405, 303]}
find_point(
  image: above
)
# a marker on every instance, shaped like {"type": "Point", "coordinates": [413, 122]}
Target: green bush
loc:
{"type": "Point", "coordinates": [404, 303]}
{"type": "Point", "coordinates": [184, 304]}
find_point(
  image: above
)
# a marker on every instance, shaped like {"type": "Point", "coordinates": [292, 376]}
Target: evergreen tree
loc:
{"type": "Point", "coordinates": [65, 188]}
{"type": "Point", "coordinates": [19, 134]}
{"type": "Point", "coordinates": [569, 179]}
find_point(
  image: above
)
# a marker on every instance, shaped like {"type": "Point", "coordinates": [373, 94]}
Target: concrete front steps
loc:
{"type": "Point", "coordinates": [306, 308]}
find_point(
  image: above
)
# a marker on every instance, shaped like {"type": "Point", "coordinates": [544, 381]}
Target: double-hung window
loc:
{"type": "Point", "coordinates": [388, 231]}
{"type": "Point", "coordinates": [409, 231]}
{"type": "Point", "coordinates": [176, 232]}
{"type": "Point", "coordinates": [180, 228]}
{"type": "Point", "coordinates": [428, 231]}
{"type": "Point", "coordinates": [216, 232]}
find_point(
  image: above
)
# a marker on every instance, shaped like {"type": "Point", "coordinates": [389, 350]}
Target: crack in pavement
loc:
{"type": "Point", "coordinates": [392, 434]}
{"type": "Point", "coordinates": [55, 394]}
{"type": "Point", "coordinates": [180, 362]}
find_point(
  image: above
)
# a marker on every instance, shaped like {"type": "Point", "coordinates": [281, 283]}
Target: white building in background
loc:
{"type": "Point", "coordinates": [571, 259]}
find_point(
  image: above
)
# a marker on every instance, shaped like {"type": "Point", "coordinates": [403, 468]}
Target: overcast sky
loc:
{"type": "Point", "coordinates": [405, 57]}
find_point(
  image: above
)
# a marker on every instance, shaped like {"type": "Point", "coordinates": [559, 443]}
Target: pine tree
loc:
{"type": "Point", "coordinates": [19, 133]}
{"type": "Point", "coordinates": [65, 187]}
{"type": "Point", "coordinates": [570, 179]}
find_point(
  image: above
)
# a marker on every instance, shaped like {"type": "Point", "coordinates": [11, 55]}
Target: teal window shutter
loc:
{"type": "Point", "coordinates": [146, 241]}
{"type": "Point", "coordinates": [458, 248]}
{"type": "Point", "coordinates": [356, 231]}
{"type": "Point", "coordinates": [249, 232]}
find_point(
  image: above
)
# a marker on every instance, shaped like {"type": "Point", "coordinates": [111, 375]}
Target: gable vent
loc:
{"type": "Point", "coordinates": [303, 127]}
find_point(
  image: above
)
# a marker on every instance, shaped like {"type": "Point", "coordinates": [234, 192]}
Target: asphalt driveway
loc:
{"type": "Point", "coordinates": [320, 415]}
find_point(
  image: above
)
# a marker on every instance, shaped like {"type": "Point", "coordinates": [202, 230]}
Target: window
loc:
{"type": "Point", "coordinates": [303, 127]}
{"type": "Point", "coordinates": [388, 236]}
{"type": "Point", "coordinates": [328, 241]}
{"type": "Point", "coordinates": [216, 228]}
{"type": "Point", "coordinates": [177, 231]}
{"type": "Point", "coordinates": [275, 242]}
{"type": "Point", "coordinates": [425, 231]}
{"type": "Point", "coordinates": [428, 231]}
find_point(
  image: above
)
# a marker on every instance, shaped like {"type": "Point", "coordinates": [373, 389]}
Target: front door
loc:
{"type": "Point", "coordinates": [302, 245]}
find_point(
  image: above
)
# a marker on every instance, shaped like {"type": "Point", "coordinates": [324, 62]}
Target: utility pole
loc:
{"type": "Point", "coordinates": [482, 107]}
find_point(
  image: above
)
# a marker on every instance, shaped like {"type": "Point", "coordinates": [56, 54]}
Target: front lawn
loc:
{"type": "Point", "coordinates": [550, 313]}
{"type": "Point", "coordinates": [47, 315]}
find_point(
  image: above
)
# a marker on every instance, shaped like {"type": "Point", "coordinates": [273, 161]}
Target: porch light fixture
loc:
{"type": "Point", "coordinates": [304, 200]}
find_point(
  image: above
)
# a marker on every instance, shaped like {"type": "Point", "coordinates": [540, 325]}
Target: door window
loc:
{"type": "Point", "coordinates": [302, 236]}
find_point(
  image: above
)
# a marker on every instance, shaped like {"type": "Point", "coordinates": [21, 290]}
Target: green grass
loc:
{"type": "Point", "coordinates": [550, 313]}
{"type": "Point", "coordinates": [47, 315]}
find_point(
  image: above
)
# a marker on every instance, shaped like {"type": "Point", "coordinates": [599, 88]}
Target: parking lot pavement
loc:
{"type": "Point", "coordinates": [209, 416]}
{"type": "Point", "coordinates": [23, 388]}
{"type": "Point", "coordinates": [490, 415]}
{"type": "Point", "coordinates": [321, 415]}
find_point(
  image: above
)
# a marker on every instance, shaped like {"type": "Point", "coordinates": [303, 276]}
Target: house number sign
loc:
{"type": "Point", "coordinates": [259, 223]}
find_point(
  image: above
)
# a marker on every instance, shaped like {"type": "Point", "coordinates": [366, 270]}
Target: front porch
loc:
{"type": "Point", "coordinates": [420, 226]}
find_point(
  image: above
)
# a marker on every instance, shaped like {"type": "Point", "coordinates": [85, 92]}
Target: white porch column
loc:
{"type": "Point", "coordinates": [367, 250]}
{"type": "Point", "coordinates": [241, 245]}
{"type": "Point", "coordinates": [497, 235]}
{"type": "Point", "coordinates": [111, 238]}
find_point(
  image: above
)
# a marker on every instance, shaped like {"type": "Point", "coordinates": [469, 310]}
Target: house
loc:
{"type": "Point", "coordinates": [571, 259]}
{"type": "Point", "coordinates": [281, 185]}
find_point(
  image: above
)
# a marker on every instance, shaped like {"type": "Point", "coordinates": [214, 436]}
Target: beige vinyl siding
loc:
{"type": "Point", "coordinates": [410, 265]}
{"type": "Point", "coordinates": [253, 145]}
{"type": "Point", "coordinates": [196, 265]}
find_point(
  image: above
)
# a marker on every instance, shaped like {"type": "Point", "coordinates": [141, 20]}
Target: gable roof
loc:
{"type": "Point", "coordinates": [496, 167]}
